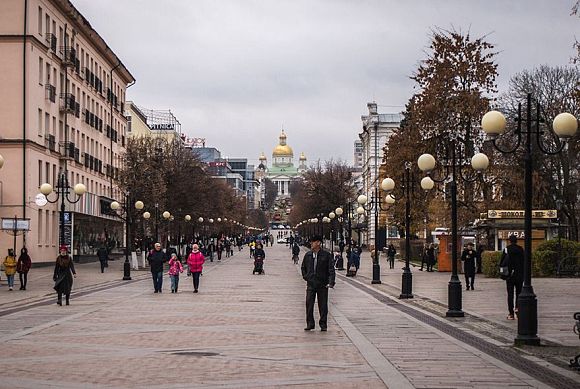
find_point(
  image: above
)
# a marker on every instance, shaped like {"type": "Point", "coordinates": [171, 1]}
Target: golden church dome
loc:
{"type": "Point", "coordinates": [262, 157]}
{"type": "Point", "coordinates": [282, 150]}
{"type": "Point", "coordinates": [302, 157]}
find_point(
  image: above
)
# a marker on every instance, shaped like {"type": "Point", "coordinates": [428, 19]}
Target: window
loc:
{"type": "Point", "coordinates": [47, 227]}
{"type": "Point", "coordinates": [48, 73]}
{"type": "Point", "coordinates": [40, 71]}
{"type": "Point", "coordinates": [54, 230]}
{"type": "Point", "coordinates": [46, 123]}
{"type": "Point", "coordinates": [47, 172]}
{"type": "Point", "coordinates": [39, 20]}
{"type": "Point", "coordinates": [40, 173]}
{"type": "Point", "coordinates": [39, 235]}
{"type": "Point", "coordinates": [47, 24]}
{"type": "Point", "coordinates": [39, 122]}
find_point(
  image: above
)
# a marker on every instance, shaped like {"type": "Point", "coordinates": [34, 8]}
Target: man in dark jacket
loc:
{"type": "Point", "coordinates": [318, 272]}
{"type": "Point", "coordinates": [103, 255]}
{"type": "Point", "coordinates": [156, 259]}
{"type": "Point", "coordinates": [513, 257]}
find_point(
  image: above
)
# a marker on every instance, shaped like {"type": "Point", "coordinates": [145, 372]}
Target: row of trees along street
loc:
{"type": "Point", "coordinates": [456, 86]}
{"type": "Point", "coordinates": [156, 171]}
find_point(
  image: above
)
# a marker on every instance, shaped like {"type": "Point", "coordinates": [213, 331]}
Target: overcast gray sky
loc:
{"type": "Point", "coordinates": [236, 71]}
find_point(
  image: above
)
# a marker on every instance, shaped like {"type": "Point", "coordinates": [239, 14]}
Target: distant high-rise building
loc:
{"type": "Point", "coordinates": [358, 154]}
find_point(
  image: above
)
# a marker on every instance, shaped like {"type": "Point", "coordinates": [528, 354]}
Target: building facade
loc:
{"type": "Point", "coordinates": [376, 131]}
{"type": "Point", "coordinates": [63, 93]}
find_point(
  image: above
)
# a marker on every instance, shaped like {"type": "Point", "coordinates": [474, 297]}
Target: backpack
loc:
{"type": "Point", "coordinates": [504, 270]}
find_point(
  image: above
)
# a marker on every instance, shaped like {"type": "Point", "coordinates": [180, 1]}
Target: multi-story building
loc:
{"type": "Point", "coordinates": [137, 125]}
{"type": "Point", "coordinates": [251, 183]}
{"type": "Point", "coordinates": [63, 92]}
{"type": "Point", "coordinates": [377, 129]}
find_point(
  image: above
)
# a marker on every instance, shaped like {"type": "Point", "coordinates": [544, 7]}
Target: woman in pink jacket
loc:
{"type": "Point", "coordinates": [195, 262]}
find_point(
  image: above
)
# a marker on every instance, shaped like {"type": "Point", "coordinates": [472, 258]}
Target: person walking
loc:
{"type": "Point", "coordinates": [175, 267]}
{"type": "Point", "coordinates": [513, 257]}
{"type": "Point", "coordinates": [103, 255]}
{"type": "Point", "coordinates": [156, 259]}
{"type": "Point", "coordinates": [295, 253]}
{"type": "Point", "coordinates": [391, 251]}
{"type": "Point", "coordinates": [10, 268]}
{"type": "Point", "coordinates": [469, 259]}
{"type": "Point", "coordinates": [353, 262]}
{"type": "Point", "coordinates": [64, 272]}
{"type": "Point", "coordinates": [210, 250]}
{"type": "Point", "coordinates": [318, 272]}
{"type": "Point", "coordinates": [23, 267]}
{"type": "Point", "coordinates": [195, 263]}
{"type": "Point", "coordinates": [430, 257]}
{"type": "Point", "coordinates": [341, 247]}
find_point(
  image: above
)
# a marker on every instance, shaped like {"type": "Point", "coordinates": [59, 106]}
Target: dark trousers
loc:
{"type": "Point", "coordinates": [219, 255]}
{"type": "Point", "coordinates": [513, 283]}
{"type": "Point", "coordinates": [103, 266]}
{"type": "Point", "coordinates": [157, 280]}
{"type": "Point", "coordinates": [311, 293]}
{"type": "Point", "coordinates": [23, 279]}
{"type": "Point", "coordinates": [391, 262]}
{"type": "Point", "coordinates": [195, 276]}
{"type": "Point", "coordinates": [468, 278]}
{"type": "Point", "coordinates": [59, 296]}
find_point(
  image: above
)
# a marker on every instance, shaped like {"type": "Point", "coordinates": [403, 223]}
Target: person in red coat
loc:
{"type": "Point", "coordinates": [195, 262]}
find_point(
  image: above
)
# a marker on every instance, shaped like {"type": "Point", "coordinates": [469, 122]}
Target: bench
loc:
{"type": "Point", "coordinates": [569, 266]}
{"type": "Point", "coordinates": [575, 363]}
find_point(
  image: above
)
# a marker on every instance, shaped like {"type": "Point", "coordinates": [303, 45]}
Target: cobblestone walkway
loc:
{"type": "Point", "coordinates": [240, 331]}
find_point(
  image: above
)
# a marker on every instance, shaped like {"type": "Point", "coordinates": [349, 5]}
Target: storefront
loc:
{"type": "Point", "coordinates": [495, 227]}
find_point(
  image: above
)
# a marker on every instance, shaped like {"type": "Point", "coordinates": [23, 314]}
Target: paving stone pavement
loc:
{"type": "Point", "coordinates": [240, 331]}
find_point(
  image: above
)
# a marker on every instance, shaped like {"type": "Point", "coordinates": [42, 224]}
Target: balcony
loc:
{"type": "Point", "coordinates": [51, 142]}
{"type": "Point", "coordinates": [50, 40]}
{"type": "Point", "coordinates": [68, 150]}
{"type": "Point", "coordinates": [50, 93]}
{"type": "Point", "coordinates": [70, 55]}
{"type": "Point", "coordinates": [68, 103]}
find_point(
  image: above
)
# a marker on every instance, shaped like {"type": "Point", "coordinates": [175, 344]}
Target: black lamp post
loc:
{"type": "Point", "coordinates": [565, 126]}
{"type": "Point", "coordinates": [375, 204]}
{"type": "Point", "coordinates": [63, 192]}
{"type": "Point", "coordinates": [125, 213]}
{"type": "Point", "coordinates": [453, 165]}
{"type": "Point", "coordinates": [407, 187]}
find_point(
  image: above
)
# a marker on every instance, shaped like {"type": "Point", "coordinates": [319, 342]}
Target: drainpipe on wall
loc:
{"type": "Point", "coordinates": [24, 35]}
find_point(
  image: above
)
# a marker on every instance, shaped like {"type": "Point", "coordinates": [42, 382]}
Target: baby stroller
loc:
{"type": "Point", "coordinates": [258, 266]}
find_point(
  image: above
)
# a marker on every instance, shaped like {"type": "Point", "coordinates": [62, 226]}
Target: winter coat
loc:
{"type": "Point", "coordinates": [10, 265]}
{"type": "Point", "coordinates": [324, 273]}
{"type": "Point", "coordinates": [259, 254]}
{"type": "Point", "coordinates": [63, 275]}
{"type": "Point", "coordinates": [515, 261]}
{"type": "Point", "coordinates": [103, 254]}
{"type": "Point", "coordinates": [175, 267]}
{"type": "Point", "coordinates": [469, 258]}
{"type": "Point", "coordinates": [354, 259]}
{"type": "Point", "coordinates": [24, 263]}
{"type": "Point", "coordinates": [156, 259]}
{"type": "Point", "coordinates": [195, 262]}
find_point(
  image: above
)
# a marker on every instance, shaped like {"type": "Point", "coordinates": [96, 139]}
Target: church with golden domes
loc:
{"type": "Point", "coordinates": [282, 172]}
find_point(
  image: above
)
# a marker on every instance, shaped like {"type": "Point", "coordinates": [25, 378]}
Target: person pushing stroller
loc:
{"type": "Point", "coordinates": [259, 256]}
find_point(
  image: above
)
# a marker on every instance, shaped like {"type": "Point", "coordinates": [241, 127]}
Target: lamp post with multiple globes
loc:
{"type": "Point", "coordinates": [565, 126]}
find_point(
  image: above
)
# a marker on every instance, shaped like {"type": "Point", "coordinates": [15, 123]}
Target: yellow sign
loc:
{"type": "Point", "coordinates": [517, 214]}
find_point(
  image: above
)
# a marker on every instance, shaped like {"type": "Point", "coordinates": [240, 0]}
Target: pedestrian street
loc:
{"type": "Point", "coordinates": [241, 331]}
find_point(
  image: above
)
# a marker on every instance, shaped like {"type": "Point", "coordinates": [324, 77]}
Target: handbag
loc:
{"type": "Point", "coordinates": [504, 271]}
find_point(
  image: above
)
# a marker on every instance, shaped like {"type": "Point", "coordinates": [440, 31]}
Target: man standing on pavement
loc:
{"type": "Point", "coordinates": [156, 259]}
{"type": "Point", "coordinates": [318, 272]}
{"type": "Point", "coordinates": [513, 257]}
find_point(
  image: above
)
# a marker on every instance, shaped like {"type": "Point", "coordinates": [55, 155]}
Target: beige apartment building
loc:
{"type": "Point", "coordinates": [63, 93]}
